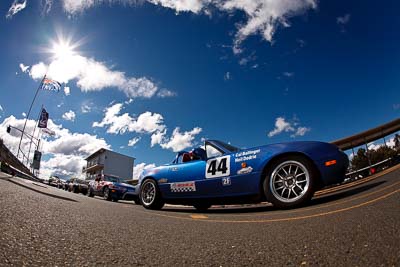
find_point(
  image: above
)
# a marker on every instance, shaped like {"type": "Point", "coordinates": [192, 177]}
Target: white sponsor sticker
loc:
{"type": "Point", "coordinates": [245, 170]}
{"type": "Point", "coordinates": [183, 187]}
{"type": "Point", "coordinates": [246, 155]}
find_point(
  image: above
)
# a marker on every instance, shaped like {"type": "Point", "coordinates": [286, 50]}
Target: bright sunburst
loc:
{"type": "Point", "coordinates": [62, 49]}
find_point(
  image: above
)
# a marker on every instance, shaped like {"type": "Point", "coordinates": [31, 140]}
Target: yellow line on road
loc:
{"type": "Point", "coordinates": [198, 216]}
{"type": "Point", "coordinates": [286, 219]}
{"type": "Point", "coordinates": [322, 206]}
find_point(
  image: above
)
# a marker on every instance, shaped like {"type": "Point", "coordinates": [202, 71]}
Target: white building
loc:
{"type": "Point", "coordinates": [107, 162]}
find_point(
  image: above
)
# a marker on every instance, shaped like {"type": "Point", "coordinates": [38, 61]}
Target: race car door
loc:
{"type": "Point", "coordinates": [184, 179]}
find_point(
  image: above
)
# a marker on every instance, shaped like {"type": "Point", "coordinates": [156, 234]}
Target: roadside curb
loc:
{"type": "Point", "coordinates": [23, 184]}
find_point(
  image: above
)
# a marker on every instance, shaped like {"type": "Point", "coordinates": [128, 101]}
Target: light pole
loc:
{"type": "Point", "coordinates": [9, 127]}
{"type": "Point", "coordinates": [27, 116]}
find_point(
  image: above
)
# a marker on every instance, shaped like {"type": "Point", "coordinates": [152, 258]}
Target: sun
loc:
{"type": "Point", "coordinates": [62, 49]}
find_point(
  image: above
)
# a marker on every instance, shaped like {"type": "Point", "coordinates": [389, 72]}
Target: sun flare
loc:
{"type": "Point", "coordinates": [62, 49]}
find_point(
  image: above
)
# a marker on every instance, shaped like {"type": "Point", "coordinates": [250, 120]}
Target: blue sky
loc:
{"type": "Point", "coordinates": [166, 74]}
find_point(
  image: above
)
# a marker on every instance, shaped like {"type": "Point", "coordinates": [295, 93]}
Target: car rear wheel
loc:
{"type": "Point", "coordinates": [290, 182]}
{"type": "Point", "coordinates": [106, 194]}
{"type": "Point", "coordinates": [90, 193]}
{"type": "Point", "coordinates": [150, 195]}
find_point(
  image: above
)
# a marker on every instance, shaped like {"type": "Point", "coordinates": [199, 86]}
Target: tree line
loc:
{"type": "Point", "coordinates": [364, 158]}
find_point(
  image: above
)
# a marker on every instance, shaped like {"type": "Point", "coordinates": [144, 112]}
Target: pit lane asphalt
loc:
{"type": "Point", "coordinates": [357, 225]}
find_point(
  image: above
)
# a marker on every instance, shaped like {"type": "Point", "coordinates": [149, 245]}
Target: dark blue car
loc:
{"type": "Point", "coordinates": [112, 188]}
{"type": "Point", "coordinates": [285, 174]}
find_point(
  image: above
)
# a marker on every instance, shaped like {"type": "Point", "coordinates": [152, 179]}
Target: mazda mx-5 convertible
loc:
{"type": "Point", "coordinates": [285, 174]}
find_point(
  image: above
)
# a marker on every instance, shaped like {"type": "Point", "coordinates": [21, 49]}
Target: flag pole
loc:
{"type": "Point", "coordinates": [27, 116]}
{"type": "Point", "coordinates": [33, 135]}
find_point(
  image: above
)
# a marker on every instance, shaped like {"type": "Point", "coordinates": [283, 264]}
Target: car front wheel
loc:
{"type": "Point", "coordinates": [290, 182]}
{"type": "Point", "coordinates": [107, 194]}
{"type": "Point", "coordinates": [90, 193]}
{"type": "Point", "coordinates": [150, 195]}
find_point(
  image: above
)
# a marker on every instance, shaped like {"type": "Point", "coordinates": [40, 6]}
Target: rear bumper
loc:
{"type": "Point", "coordinates": [124, 195]}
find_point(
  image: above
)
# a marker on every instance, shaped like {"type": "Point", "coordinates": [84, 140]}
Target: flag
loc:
{"type": "Point", "coordinates": [48, 131]}
{"type": "Point", "coordinates": [51, 85]}
{"type": "Point", "coordinates": [44, 116]}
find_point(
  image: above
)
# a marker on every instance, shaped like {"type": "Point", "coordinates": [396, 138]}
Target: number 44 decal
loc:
{"type": "Point", "coordinates": [218, 167]}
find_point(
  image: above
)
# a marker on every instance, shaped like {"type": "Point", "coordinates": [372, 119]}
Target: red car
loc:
{"type": "Point", "coordinates": [112, 188]}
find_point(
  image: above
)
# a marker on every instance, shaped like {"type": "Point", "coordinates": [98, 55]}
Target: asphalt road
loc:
{"type": "Point", "coordinates": [353, 225]}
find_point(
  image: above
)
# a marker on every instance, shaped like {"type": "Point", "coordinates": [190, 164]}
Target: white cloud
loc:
{"type": "Point", "coordinates": [165, 93]}
{"type": "Point", "coordinates": [281, 125]}
{"type": "Point", "coordinates": [157, 137]}
{"type": "Point", "coordinates": [67, 91]}
{"type": "Point", "coordinates": [227, 76]}
{"type": "Point", "coordinates": [62, 165]}
{"type": "Point", "coordinates": [76, 6]}
{"type": "Point", "coordinates": [1, 108]}
{"type": "Point", "coordinates": [66, 150]}
{"type": "Point", "coordinates": [343, 19]}
{"type": "Point", "coordinates": [263, 16]}
{"type": "Point", "coordinates": [23, 114]}
{"type": "Point", "coordinates": [139, 168]}
{"type": "Point", "coordinates": [16, 7]}
{"type": "Point", "coordinates": [179, 141]}
{"type": "Point", "coordinates": [133, 141]}
{"type": "Point", "coordinates": [38, 71]}
{"type": "Point", "coordinates": [146, 122]}
{"type": "Point", "coordinates": [23, 67]}
{"type": "Point", "coordinates": [85, 108]}
{"type": "Point", "coordinates": [46, 5]}
{"type": "Point", "coordinates": [69, 116]}
{"type": "Point", "coordinates": [301, 131]}
{"type": "Point", "coordinates": [91, 75]}
{"type": "Point", "coordinates": [194, 6]}
{"type": "Point", "coordinates": [288, 74]}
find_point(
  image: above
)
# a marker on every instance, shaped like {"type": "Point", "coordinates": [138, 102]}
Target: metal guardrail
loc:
{"type": "Point", "coordinates": [8, 159]}
{"type": "Point", "coordinates": [376, 165]}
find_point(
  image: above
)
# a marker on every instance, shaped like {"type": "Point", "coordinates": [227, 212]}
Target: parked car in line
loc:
{"type": "Point", "coordinates": [285, 174]}
{"type": "Point", "coordinates": [66, 185]}
{"type": "Point", "coordinates": [53, 181]}
{"type": "Point", "coordinates": [112, 188]}
{"type": "Point", "coordinates": [78, 186]}
{"type": "Point", "coordinates": [61, 184]}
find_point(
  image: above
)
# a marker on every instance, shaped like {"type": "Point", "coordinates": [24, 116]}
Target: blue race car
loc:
{"type": "Point", "coordinates": [285, 174]}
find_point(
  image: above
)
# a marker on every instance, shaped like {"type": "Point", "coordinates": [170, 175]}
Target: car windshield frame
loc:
{"type": "Point", "coordinates": [222, 146]}
{"type": "Point", "coordinates": [112, 179]}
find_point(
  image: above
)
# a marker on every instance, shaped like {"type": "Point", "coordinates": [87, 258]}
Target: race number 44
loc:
{"type": "Point", "coordinates": [218, 167]}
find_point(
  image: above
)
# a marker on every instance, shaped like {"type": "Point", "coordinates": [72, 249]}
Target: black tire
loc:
{"type": "Point", "coordinates": [106, 194]}
{"type": "Point", "coordinates": [202, 206]}
{"type": "Point", "coordinates": [137, 201]}
{"type": "Point", "coordinates": [290, 182]}
{"type": "Point", "coordinates": [150, 195]}
{"type": "Point", "coordinates": [115, 199]}
{"type": "Point", "coordinates": [76, 191]}
{"type": "Point", "coordinates": [90, 193]}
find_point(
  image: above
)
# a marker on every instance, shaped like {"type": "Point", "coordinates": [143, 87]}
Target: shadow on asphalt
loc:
{"type": "Point", "coordinates": [41, 192]}
{"type": "Point", "coordinates": [336, 196]}
{"type": "Point", "coordinates": [251, 209]}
